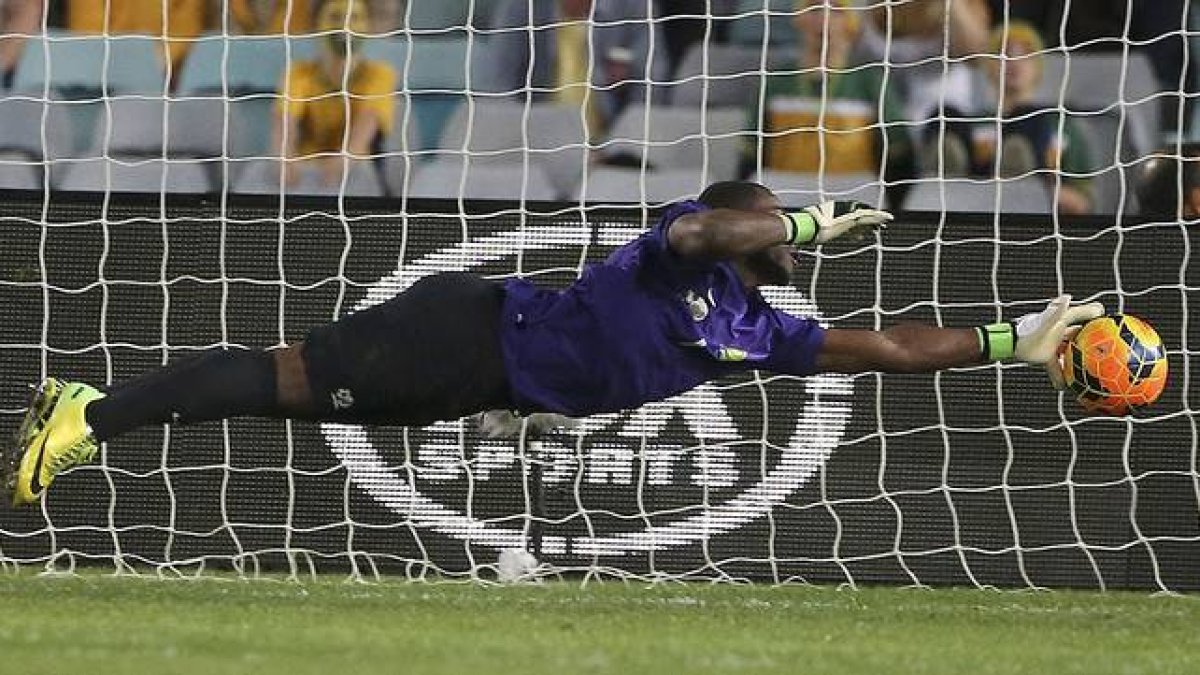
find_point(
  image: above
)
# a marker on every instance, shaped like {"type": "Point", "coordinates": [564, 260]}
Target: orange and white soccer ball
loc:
{"type": "Point", "coordinates": [1115, 364]}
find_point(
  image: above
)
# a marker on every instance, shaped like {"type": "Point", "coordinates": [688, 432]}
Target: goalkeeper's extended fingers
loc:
{"type": "Point", "coordinates": [876, 218]}
{"type": "Point", "coordinates": [869, 220]}
{"type": "Point", "coordinates": [860, 212]}
{"type": "Point", "coordinates": [1056, 311]}
{"type": "Point", "coordinates": [1083, 313]}
{"type": "Point", "coordinates": [839, 219]}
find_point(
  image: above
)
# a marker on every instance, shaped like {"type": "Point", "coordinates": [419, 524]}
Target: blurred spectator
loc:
{"type": "Point", "coordinates": [686, 22]}
{"type": "Point", "coordinates": [20, 18]}
{"type": "Point", "coordinates": [267, 17]}
{"type": "Point", "coordinates": [1030, 137]}
{"type": "Point", "coordinates": [596, 54]}
{"type": "Point", "coordinates": [1157, 27]}
{"type": "Point", "coordinates": [822, 115]}
{"type": "Point", "coordinates": [180, 21]}
{"type": "Point", "coordinates": [1044, 15]}
{"type": "Point", "coordinates": [437, 18]}
{"type": "Point", "coordinates": [915, 37]}
{"type": "Point", "coordinates": [1168, 185]}
{"type": "Point", "coordinates": [338, 104]}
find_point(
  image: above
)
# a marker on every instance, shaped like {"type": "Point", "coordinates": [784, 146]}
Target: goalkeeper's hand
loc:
{"type": "Point", "coordinates": [827, 221]}
{"type": "Point", "coordinates": [505, 424]}
{"type": "Point", "coordinates": [1039, 338]}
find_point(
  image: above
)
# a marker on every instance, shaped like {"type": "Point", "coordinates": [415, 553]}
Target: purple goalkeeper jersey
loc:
{"type": "Point", "coordinates": [642, 326]}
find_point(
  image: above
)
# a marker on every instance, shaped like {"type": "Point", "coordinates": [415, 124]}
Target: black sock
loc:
{"type": "Point", "coordinates": [220, 384]}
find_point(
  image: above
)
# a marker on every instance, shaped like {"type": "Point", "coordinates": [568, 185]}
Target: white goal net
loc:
{"type": "Point", "coordinates": [189, 176]}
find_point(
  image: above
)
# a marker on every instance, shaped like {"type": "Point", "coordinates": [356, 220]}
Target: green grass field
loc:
{"type": "Point", "coordinates": [103, 624]}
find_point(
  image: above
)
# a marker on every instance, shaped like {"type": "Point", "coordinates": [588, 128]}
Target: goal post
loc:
{"type": "Point", "coordinates": [169, 229]}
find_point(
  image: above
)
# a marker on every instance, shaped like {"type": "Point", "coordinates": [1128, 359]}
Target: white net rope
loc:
{"type": "Point", "coordinates": [977, 476]}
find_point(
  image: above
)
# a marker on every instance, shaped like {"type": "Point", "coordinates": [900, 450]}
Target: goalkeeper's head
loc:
{"type": "Point", "coordinates": [1168, 185]}
{"type": "Point", "coordinates": [772, 266]}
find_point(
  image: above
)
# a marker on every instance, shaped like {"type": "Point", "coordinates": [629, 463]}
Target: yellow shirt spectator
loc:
{"type": "Point", "coordinates": [185, 19]}
{"type": "Point", "coordinates": [319, 104]}
{"type": "Point", "coordinates": [255, 18]}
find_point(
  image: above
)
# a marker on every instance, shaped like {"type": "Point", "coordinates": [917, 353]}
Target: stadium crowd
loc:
{"type": "Point", "coordinates": [614, 100]}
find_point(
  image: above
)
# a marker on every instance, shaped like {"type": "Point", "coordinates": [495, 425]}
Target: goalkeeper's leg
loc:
{"type": "Point", "coordinates": [430, 353]}
{"type": "Point", "coordinates": [67, 421]}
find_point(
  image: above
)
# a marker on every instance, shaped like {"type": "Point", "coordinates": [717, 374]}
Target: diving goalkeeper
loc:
{"type": "Point", "coordinates": [674, 308]}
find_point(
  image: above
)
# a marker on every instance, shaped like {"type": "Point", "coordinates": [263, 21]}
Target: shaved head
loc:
{"type": "Point", "coordinates": [772, 265]}
{"type": "Point", "coordinates": [743, 195]}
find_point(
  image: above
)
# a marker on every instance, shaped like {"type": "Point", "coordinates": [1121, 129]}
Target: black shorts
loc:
{"type": "Point", "coordinates": [430, 353]}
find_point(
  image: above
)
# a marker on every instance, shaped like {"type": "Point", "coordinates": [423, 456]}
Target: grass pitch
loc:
{"type": "Point", "coordinates": [96, 623]}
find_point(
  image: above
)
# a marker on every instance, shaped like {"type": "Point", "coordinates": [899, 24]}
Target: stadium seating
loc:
{"type": "Point", "coordinates": [708, 142]}
{"type": "Point", "coordinates": [263, 176]}
{"type": "Point", "coordinates": [441, 15]}
{"type": "Point", "coordinates": [491, 131]}
{"type": "Point", "coordinates": [204, 128]}
{"type": "Point", "coordinates": [104, 101]}
{"type": "Point", "coordinates": [251, 121]}
{"type": "Point", "coordinates": [802, 189]}
{"type": "Point", "coordinates": [432, 74]}
{"type": "Point", "coordinates": [429, 63]}
{"type": "Point", "coordinates": [402, 148]}
{"type": "Point", "coordinates": [722, 75]}
{"type": "Point", "coordinates": [242, 64]}
{"type": "Point", "coordinates": [69, 65]}
{"type": "Point", "coordinates": [1111, 85]}
{"type": "Point", "coordinates": [132, 174]}
{"type": "Point", "coordinates": [763, 22]}
{"type": "Point", "coordinates": [443, 178]}
{"type": "Point", "coordinates": [621, 185]}
{"type": "Point", "coordinates": [19, 172]}
{"type": "Point", "coordinates": [200, 127]}
{"type": "Point", "coordinates": [129, 126]}
{"type": "Point", "coordinates": [37, 129]}
{"type": "Point", "coordinates": [1025, 195]}
{"type": "Point", "coordinates": [1111, 178]}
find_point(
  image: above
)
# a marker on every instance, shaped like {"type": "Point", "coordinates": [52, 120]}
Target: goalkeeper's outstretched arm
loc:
{"type": "Point", "coordinates": [917, 348]}
{"type": "Point", "coordinates": [723, 234]}
{"type": "Point", "coordinates": [903, 348]}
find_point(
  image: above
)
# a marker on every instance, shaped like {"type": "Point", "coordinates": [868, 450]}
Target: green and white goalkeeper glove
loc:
{"type": "Point", "coordinates": [827, 221]}
{"type": "Point", "coordinates": [1037, 338]}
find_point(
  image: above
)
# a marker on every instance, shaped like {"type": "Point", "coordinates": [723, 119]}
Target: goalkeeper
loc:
{"type": "Point", "coordinates": [674, 308]}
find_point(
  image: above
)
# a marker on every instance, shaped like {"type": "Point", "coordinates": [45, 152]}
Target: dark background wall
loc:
{"type": "Point", "coordinates": [979, 476]}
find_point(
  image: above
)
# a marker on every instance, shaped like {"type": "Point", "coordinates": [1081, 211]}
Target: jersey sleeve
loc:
{"type": "Point", "coordinates": [673, 212]}
{"type": "Point", "coordinates": [797, 342]}
{"type": "Point", "coordinates": [652, 250]}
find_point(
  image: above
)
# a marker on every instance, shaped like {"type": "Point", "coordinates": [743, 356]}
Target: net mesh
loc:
{"type": "Point", "coordinates": [205, 190]}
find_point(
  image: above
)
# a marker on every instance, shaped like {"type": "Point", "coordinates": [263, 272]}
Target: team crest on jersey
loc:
{"type": "Point", "coordinates": [699, 306]}
{"type": "Point", "coordinates": [342, 399]}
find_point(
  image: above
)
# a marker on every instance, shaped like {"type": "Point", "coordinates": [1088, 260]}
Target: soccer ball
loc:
{"type": "Point", "coordinates": [1115, 364]}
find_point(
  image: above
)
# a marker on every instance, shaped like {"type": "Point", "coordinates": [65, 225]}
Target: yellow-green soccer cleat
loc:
{"type": "Point", "coordinates": [53, 438]}
{"type": "Point", "coordinates": [45, 395]}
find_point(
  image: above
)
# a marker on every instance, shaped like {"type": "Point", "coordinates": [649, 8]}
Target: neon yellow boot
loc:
{"type": "Point", "coordinates": [53, 438]}
{"type": "Point", "coordinates": [43, 399]}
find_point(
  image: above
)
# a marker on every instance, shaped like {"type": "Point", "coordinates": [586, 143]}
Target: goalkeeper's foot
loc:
{"type": "Point", "coordinates": [44, 396]}
{"type": "Point", "coordinates": [53, 438]}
